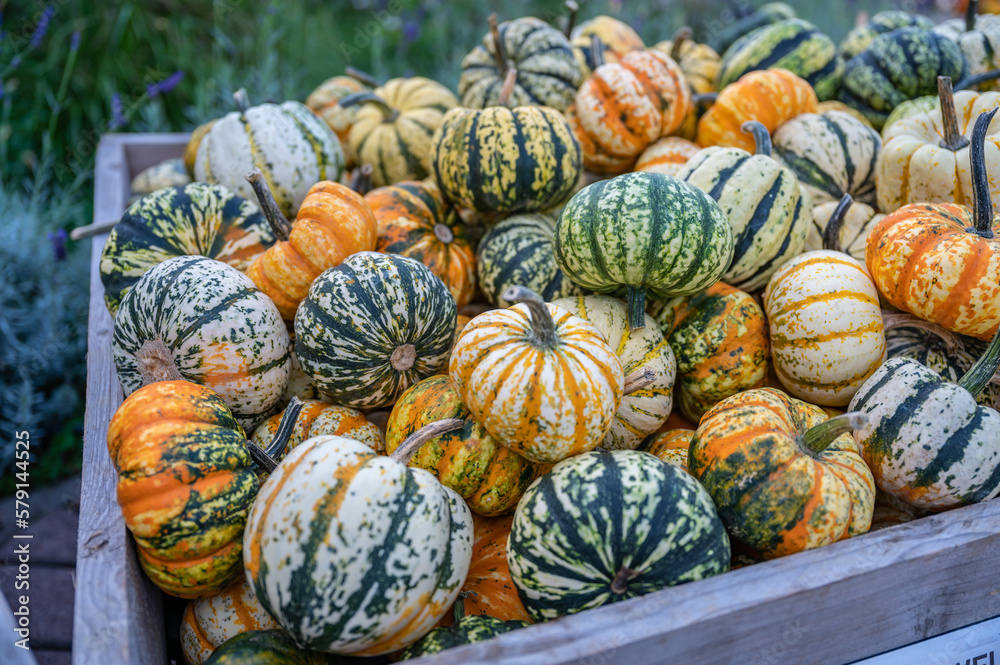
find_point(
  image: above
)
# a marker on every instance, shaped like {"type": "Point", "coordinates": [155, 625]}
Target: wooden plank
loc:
{"type": "Point", "coordinates": [978, 644]}
{"type": "Point", "coordinates": [10, 653]}
{"type": "Point", "coordinates": [833, 605]}
{"type": "Point", "coordinates": [145, 150]}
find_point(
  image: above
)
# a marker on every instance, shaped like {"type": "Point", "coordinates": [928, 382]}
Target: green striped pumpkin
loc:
{"type": "Point", "coordinates": [831, 153]}
{"type": "Point", "coordinates": [979, 43]}
{"type": "Point", "coordinates": [355, 553]}
{"type": "Point", "coordinates": [603, 527]}
{"type": "Point", "coordinates": [766, 14]}
{"type": "Point", "coordinates": [168, 173]}
{"type": "Point", "coordinates": [858, 39]}
{"type": "Point", "coordinates": [897, 66]}
{"type": "Point", "coordinates": [372, 327]}
{"type": "Point", "coordinates": [520, 251]}
{"type": "Point", "coordinates": [548, 73]}
{"type": "Point", "coordinates": [465, 630]}
{"type": "Point", "coordinates": [643, 232]}
{"type": "Point", "coordinates": [268, 647]}
{"type": "Point", "coordinates": [792, 44]}
{"type": "Point", "coordinates": [196, 219]}
{"type": "Point", "coordinates": [769, 212]}
{"type": "Point", "coordinates": [201, 320]}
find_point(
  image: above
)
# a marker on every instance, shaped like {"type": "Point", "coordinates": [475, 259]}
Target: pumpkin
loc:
{"type": "Point", "coordinates": [784, 477]}
{"type": "Point", "coordinates": [197, 219]}
{"type": "Point", "coordinates": [831, 154]}
{"type": "Point", "coordinates": [488, 589]}
{"type": "Point", "coordinates": [168, 173]}
{"type": "Point", "coordinates": [201, 320]}
{"type": "Point", "coordinates": [827, 334]}
{"type": "Point", "coordinates": [298, 384]}
{"type": "Point", "coordinates": [938, 260]}
{"type": "Point", "coordinates": [184, 485]}
{"type": "Point", "coordinates": [768, 211]}
{"type": "Point", "coordinates": [607, 526]}
{"type": "Point", "coordinates": [414, 221]}
{"type": "Point", "coordinates": [791, 44]}
{"type": "Point", "coordinates": [290, 144]}
{"type": "Point", "coordinates": [766, 14]}
{"type": "Point", "coordinates": [719, 337]}
{"type": "Point", "coordinates": [896, 66]}
{"type": "Point", "coordinates": [858, 39]}
{"type": "Point", "coordinates": [355, 553]}
{"type": "Point", "coordinates": [771, 97]}
{"type": "Point", "coordinates": [325, 102]}
{"type": "Point", "coordinates": [926, 155]}
{"type": "Point", "coordinates": [466, 629]}
{"type": "Point", "coordinates": [267, 647]}
{"type": "Point", "coordinates": [191, 149]}
{"type": "Point", "coordinates": [211, 620]}
{"type": "Point", "coordinates": [670, 446]}
{"type": "Point", "coordinates": [978, 38]}
{"type": "Point", "coordinates": [627, 105]}
{"type": "Point", "coordinates": [550, 73]}
{"type": "Point", "coordinates": [643, 409]}
{"type": "Point", "coordinates": [393, 127]}
{"type": "Point", "coordinates": [643, 232]}
{"type": "Point", "coordinates": [846, 222]}
{"type": "Point", "coordinates": [699, 62]}
{"type": "Point", "coordinates": [318, 418]}
{"type": "Point", "coordinates": [927, 441]}
{"type": "Point", "coordinates": [333, 223]}
{"type": "Point", "coordinates": [837, 105]}
{"type": "Point", "coordinates": [541, 381]}
{"type": "Point", "coordinates": [605, 37]}
{"type": "Point", "coordinates": [667, 156]}
{"type": "Point", "coordinates": [372, 327]}
{"type": "Point", "coordinates": [489, 476]}
{"type": "Point", "coordinates": [520, 250]}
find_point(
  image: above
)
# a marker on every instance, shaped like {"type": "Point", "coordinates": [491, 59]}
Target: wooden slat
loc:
{"type": "Point", "coordinates": [11, 654]}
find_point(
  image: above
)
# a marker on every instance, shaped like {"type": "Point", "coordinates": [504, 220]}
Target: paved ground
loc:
{"type": "Point", "coordinates": [54, 515]}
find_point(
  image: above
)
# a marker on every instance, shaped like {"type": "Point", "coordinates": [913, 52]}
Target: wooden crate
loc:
{"type": "Point", "coordinates": [834, 605]}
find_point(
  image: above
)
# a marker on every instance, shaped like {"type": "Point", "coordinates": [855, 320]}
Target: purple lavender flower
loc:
{"type": "Point", "coordinates": [58, 240]}
{"type": "Point", "coordinates": [15, 62]}
{"type": "Point", "coordinates": [74, 42]}
{"type": "Point", "coordinates": [117, 117]}
{"type": "Point", "coordinates": [411, 31]}
{"type": "Point", "coordinates": [2, 93]}
{"type": "Point", "coordinates": [42, 26]}
{"type": "Point", "coordinates": [164, 86]}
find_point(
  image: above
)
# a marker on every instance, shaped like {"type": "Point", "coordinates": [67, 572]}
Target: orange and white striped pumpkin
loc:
{"type": "Point", "coordinates": [670, 446]}
{"type": "Point", "coordinates": [208, 622]}
{"type": "Point", "coordinates": [827, 334]}
{"type": "Point", "coordinates": [667, 156]}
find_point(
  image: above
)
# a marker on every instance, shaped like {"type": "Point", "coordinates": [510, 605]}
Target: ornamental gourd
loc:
{"type": "Point", "coordinates": [847, 222]}
{"type": "Point", "coordinates": [978, 38]}
{"type": "Point", "coordinates": [168, 173]}
{"type": "Point", "coordinates": [670, 446]}
{"type": "Point", "coordinates": [643, 232]}
{"type": "Point", "coordinates": [784, 477]}
{"type": "Point", "coordinates": [488, 588]}
{"type": "Point", "coordinates": [699, 62]}
{"type": "Point", "coordinates": [766, 14]}
{"type": "Point", "coordinates": [201, 320]}
{"type": "Point", "coordinates": [320, 418]}
{"type": "Point", "coordinates": [355, 553]}
{"type": "Point", "coordinates": [191, 149]}
{"type": "Point", "coordinates": [601, 39]}
{"type": "Point", "coordinates": [325, 102]}
{"type": "Point", "coordinates": [372, 327]}
{"type": "Point", "coordinates": [604, 527]}
{"type": "Point", "coordinates": [465, 629]}
{"type": "Point", "coordinates": [939, 260]}
{"type": "Point", "coordinates": [268, 647]}
{"type": "Point", "coordinates": [195, 219]}
{"type": "Point", "coordinates": [858, 39]}
{"type": "Point", "coordinates": [541, 381]}
{"type": "Point", "coordinates": [210, 621]}
{"type": "Point", "coordinates": [667, 156]}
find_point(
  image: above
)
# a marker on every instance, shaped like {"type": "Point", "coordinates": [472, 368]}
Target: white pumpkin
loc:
{"type": "Point", "coordinates": [859, 220]}
{"type": "Point", "coordinates": [210, 621]}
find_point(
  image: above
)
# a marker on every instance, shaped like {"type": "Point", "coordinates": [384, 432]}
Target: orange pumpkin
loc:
{"type": "Point", "coordinates": [317, 419]}
{"type": "Point", "coordinates": [333, 223]}
{"type": "Point", "coordinates": [605, 37]}
{"type": "Point", "coordinates": [325, 102]}
{"type": "Point", "coordinates": [670, 446]}
{"type": "Point", "coordinates": [488, 587]}
{"type": "Point", "coordinates": [667, 156]}
{"type": "Point", "coordinates": [769, 96]}
{"type": "Point", "coordinates": [415, 221]}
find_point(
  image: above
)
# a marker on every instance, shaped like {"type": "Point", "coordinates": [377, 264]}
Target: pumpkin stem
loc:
{"type": "Point", "coordinates": [619, 584]}
{"type": "Point", "coordinates": [367, 97]}
{"type": "Point", "coordinates": [573, 8]}
{"type": "Point", "coordinates": [499, 52]}
{"type": "Point", "coordinates": [982, 209]}
{"type": "Point", "coordinates": [362, 77]}
{"type": "Point", "coordinates": [973, 81]}
{"type": "Point", "coordinates": [543, 328]}
{"type": "Point", "coordinates": [443, 233]}
{"type": "Point", "coordinates": [242, 100]}
{"type": "Point", "coordinates": [156, 363]}
{"type": "Point", "coordinates": [639, 379]}
{"type": "Point", "coordinates": [682, 35]}
{"type": "Point", "coordinates": [458, 609]}
{"type": "Point", "coordinates": [272, 213]}
{"type": "Point", "coordinates": [597, 51]}
{"type": "Point", "coordinates": [265, 458]}
{"type": "Point", "coordinates": [761, 137]}
{"type": "Point", "coordinates": [636, 307]}
{"type": "Point", "coordinates": [970, 15]}
{"type": "Point", "coordinates": [411, 444]}
{"type": "Point", "coordinates": [818, 438]}
{"type": "Point", "coordinates": [981, 373]}
{"type": "Point", "coordinates": [892, 320]}
{"type": "Point", "coordinates": [361, 179]}
{"type": "Point", "coordinates": [403, 357]}
{"type": "Point", "coordinates": [831, 234]}
{"type": "Point", "coordinates": [704, 99]}
{"type": "Point", "coordinates": [953, 139]}
{"type": "Point", "coordinates": [507, 89]}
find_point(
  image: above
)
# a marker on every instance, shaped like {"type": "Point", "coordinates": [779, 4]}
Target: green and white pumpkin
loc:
{"type": "Point", "coordinates": [858, 221]}
{"type": "Point", "coordinates": [168, 173]}
{"type": "Point", "coordinates": [766, 14]}
{"type": "Point", "coordinates": [520, 251]}
{"type": "Point", "coordinates": [603, 527]}
{"type": "Point", "coordinates": [858, 39]}
{"type": "Point", "coordinates": [201, 320]}
{"type": "Point", "coordinates": [467, 629]}
{"type": "Point", "coordinates": [372, 327]}
{"type": "Point", "coordinates": [210, 621]}
{"type": "Point", "coordinates": [978, 37]}
{"type": "Point", "coordinates": [196, 219]}
{"type": "Point", "coordinates": [267, 647]}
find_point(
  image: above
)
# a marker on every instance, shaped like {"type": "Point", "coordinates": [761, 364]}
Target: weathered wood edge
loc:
{"type": "Point", "coordinates": [10, 654]}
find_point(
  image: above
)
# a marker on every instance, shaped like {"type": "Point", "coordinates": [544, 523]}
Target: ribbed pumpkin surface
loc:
{"type": "Point", "coordinates": [274, 647]}
{"type": "Point", "coordinates": [317, 418]}
{"type": "Point", "coordinates": [667, 156]}
{"type": "Point", "coordinates": [467, 630]}
{"type": "Point", "coordinates": [210, 621]}
{"type": "Point", "coordinates": [488, 585]}
{"type": "Point", "coordinates": [670, 446]}
{"type": "Point", "coordinates": [859, 220]}
{"type": "Point", "coordinates": [980, 46]}
{"type": "Point", "coordinates": [325, 102]}
{"type": "Point", "coordinates": [699, 62]}
{"type": "Point", "coordinates": [617, 39]}
{"type": "Point", "coordinates": [859, 38]}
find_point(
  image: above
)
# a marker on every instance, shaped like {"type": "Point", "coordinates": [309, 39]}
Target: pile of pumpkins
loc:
{"type": "Point", "coordinates": [407, 369]}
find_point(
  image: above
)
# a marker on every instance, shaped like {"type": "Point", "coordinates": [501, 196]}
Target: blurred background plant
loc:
{"type": "Point", "coordinates": [72, 71]}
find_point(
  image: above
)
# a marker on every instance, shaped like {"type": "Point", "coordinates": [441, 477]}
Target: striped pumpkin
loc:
{"type": "Point", "coordinates": [355, 553]}
{"type": "Point", "coordinates": [605, 527]}
{"type": "Point", "coordinates": [520, 250]}
{"type": "Point", "coordinates": [168, 173]}
{"type": "Point", "coordinates": [837, 105]}
{"type": "Point", "coordinates": [667, 156]}
{"type": "Point", "coordinates": [616, 40]}
{"type": "Point", "coordinates": [784, 477]}
{"type": "Point", "coordinates": [210, 621]}
{"type": "Point", "coordinates": [642, 411]}
{"type": "Point", "coordinates": [791, 44]}
{"type": "Point", "coordinates": [541, 381]}
{"type": "Point", "coordinates": [465, 630]}
{"type": "Point", "coordinates": [699, 62]}
{"type": "Point", "coordinates": [506, 160]}
{"type": "Point", "coordinates": [771, 97]}
{"type": "Point", "coordinates": [191, 149]}
{"type": "Point", "coordinates": [896, 66]}
{"type": "Point", "coordinates": [201, 320]}
{"type": "Point", "coordinates": [415, 221]}
{"type": "Point", "coordinates": [196, 219]}
{"type": "Point", "coordinates": [766, 14]}
{"type": "Point", "coordinates": [643, 232]}
{"type": "Point", "coordinates": [373, 326]}
{"type": "Point", "coordinates": [549, 72]}
{"type": "Point", "coordinates": [298, 384]}
{"type": "Point", "coordinates": [831, 154]}
{"type": "Point", "coordinates": [184, 485]}
{"type": "Point", "coordinates": [288, 142]}
{"type": "Point", "coordinates": [719, 337]}
{"type": "Point", "coordinates": [768, 211]}
{"type": "Point", "coordinates": [858, 39]}
{"type": "Point", "coordinates": [325, 102]}
{"type": "Point", "coordinates": [826, 327]}
{"type": "Point", "coordinates": [856, 222]}
{"type": "Point", "coordinates": [489, 476]}
{"type": "Point", "coordinates": [321, 418]}
{"type": "Point", "coordinates": [670, 446]}
{"type": "Point", "coordinates": [978, 38]}
{"type": "Point", "coordinates": [393, 127]}
{"type": "Point", "coordinates": [488, 588]}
